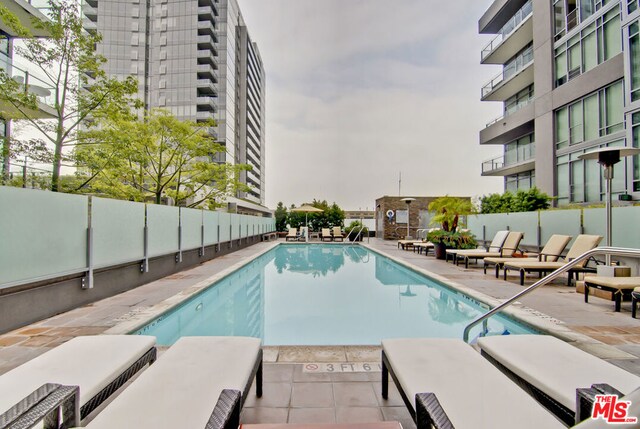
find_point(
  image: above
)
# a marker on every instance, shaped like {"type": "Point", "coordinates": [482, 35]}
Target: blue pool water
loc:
{"type": "Point", "coordinates": [324, 295]}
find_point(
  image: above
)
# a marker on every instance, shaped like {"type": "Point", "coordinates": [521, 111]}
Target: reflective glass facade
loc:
{"type": "Point", "coordinates": [185, 55]}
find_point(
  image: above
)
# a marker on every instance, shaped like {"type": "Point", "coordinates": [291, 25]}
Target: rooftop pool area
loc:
{"type": "Point", "coordinates": [325, 294]}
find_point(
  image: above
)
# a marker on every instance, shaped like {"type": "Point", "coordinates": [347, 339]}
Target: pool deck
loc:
{"type": "Point", "coordinates": [295, 396]}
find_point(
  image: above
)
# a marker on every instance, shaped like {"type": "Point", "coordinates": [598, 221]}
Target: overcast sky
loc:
{"type": "Point", "coordinates": [361, 90]}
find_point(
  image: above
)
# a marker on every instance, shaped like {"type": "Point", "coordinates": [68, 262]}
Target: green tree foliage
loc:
{"type": "Point", "coordinates": [448, 211]}
{"type": "Point", "coordinates": [281, 217]}
{"type": "Point", "coordinates": [522, 201]}
{"type": "Point", "coordinates": [159, 159]}
{"type": "Point", "coordinates": [331, 215]}
{"type": "Point", "coordinates": [70, 69]}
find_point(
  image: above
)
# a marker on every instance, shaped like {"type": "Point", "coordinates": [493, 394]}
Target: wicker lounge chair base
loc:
{"type": "Point", "coordinates": [52, 406]}
{"type": "Point", "coordinates": [98, 364]}
{"type": "Point", "coordinates": [191, 386]}
{"type": "Point", "coordinates": [446, 383]}
{"type": "Point", "coordinates": [534, 363]}
{"type": "Point", "coordinates": [621, 287]}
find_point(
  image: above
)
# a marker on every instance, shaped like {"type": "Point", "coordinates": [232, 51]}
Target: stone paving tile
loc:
{"type": "Point", "coordinates": [312, 395]}
{"type": "Point", "coordinates": [312, 415]}
{"type": "Point", "coordinates": [312, 354]}
{"type": "Point", "coordinates": [300, 376]}
{"type": "Point", "coordinates": [264, 415]}
{"type": "Point", "coordinates": [274, 395]}
{"type": "Point", "coordinates": [278, 372]}
{"type": "Point", "coordinates": [358, 415]}
{"type": "Point", "coordinates": [400, 414]}
{"type": "Point", "coordinates": [10, 340]}
{"type": "Point", "coordinates": [354, 395]}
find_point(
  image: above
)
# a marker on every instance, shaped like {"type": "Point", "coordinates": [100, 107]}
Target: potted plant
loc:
{"type": "Point", "coordinates": [448, 211]}
{"type": "Point", "coordinates": [356, 230]}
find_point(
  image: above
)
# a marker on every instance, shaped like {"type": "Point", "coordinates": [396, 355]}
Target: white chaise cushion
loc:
{"type": "Point", "coordinates": [554, 366]}
{"type": "Point", "coordinates": [91, 362]}
{"type": "Point", "coordinates": [181, 389]}
{"type": "Point", "coordinates": [472, 392]}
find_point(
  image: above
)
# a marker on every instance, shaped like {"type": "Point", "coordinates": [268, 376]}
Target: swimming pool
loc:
{"type": "Point", "coordinates": [324, 294]}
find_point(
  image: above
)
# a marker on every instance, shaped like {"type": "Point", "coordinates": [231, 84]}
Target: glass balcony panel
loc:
{"type": "Point", "coordinates": [520, 16]}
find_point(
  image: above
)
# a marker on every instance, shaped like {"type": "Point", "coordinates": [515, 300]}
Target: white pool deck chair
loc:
{"type": "Point", "coordinates": [551, 370]}
{"type": "Point", "coordinates": [494, 247]}
{"type": "Point", "coordinates": [98, 365]}
{"type": "Point", "coordinates": [445, 383]}
{"type": "Point", "coordinates": [199, 382]}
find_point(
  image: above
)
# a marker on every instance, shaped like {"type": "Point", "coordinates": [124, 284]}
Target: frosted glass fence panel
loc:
{"type": "Point", "coordinates": [210, 227]}
{"type": "Point", "coordinates": [225, 222]}
{"type": "Point", "coordinates": [244, 226]}
{"type": "Point", "coordinates": [43, 234]}
{"type": "Point", "coordinates": [162, 225]}
{"type": "Point", "coordinates": [118, 231]}
{"type": "Point", "coordinates": [565, 222]}
{"type": "Point", "coordinates": [474, 224]}
{"type": "Point", "coordinates": [191, 221]}
{"type": "Point", "coordinates": [626, 226]}
{"type": "Point", "coordinates": [235, 227]}
{"type": "Point", "coordinates": [492, 222]}
{"type": "Point", "coordinates": [527, 223]}
{"type": "Point", "coordinates": [594, 222]}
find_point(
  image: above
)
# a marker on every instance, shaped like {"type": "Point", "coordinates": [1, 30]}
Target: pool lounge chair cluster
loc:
{"type": "Point", "coordinates": [198, 382]}
{"type": "Point", "coordinates": [332, 234]}
{"type": "Point", "coordinates": [581, 244]}
{"type": "Point", "coordinates": [446, 383]}
{"type": "Point", "coordinates": [507, 249]}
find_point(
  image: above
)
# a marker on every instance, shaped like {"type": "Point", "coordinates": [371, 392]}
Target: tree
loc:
{"type": "Point", "coordinates": [71, 70]}
{"type": "Point", "coordinates": [160, 158]}
{"type": "Point", "coordinates": [522, 201]}
{"type": "Point", "coordinates": [448, 211]}
{"type": "Point", "coordinates": [331, 215]}
{"type": "Point", "coordinates": [281, 217]}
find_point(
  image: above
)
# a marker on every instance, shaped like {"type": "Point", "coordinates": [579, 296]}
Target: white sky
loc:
{"type": "Point", "coordinates": [361, 90]}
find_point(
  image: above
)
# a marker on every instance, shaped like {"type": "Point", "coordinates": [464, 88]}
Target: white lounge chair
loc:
{"type": "Point", "coordinates": [98, 364]}
{"type": "Point", "coordinates": [550, 253]}
{"type": "Point", "coordinates": [551, 369]}
{"type": "Point", "coordinates": [445, 383]}
{"type": "Point", "coordinates": [581, 244]}
{"type": "Point", "coordinates": [292, 234]}
{"type": "Point", "coordinates": [197, 383]}
{"type": "Point", "coordinates": [495, 246]}
{"type": "Point", "coordinates": [508, 249]}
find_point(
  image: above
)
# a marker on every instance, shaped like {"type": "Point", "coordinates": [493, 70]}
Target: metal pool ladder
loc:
{"type": "Point", "coordinates": [613, 251]}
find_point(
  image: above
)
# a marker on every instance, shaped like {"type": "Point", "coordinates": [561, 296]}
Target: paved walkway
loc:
{"type": "Point", "coordinates": [292, 395]}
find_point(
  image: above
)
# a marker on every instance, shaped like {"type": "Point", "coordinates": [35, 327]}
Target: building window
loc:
{"type": "Point", "coordinates": [594, 44]}
{"type": "Point", "coordinates": [518, 101]}
{"type": "Point", "coordinates": [634, 59]}
{"type": "Point", "coordinates": [591, 117]}
{"type": "Point", "coordinates": [632, 6]}
{"type": "Point", "coordinates": [520, 182]}
{"type": "Point", "coordinates": [582, 181]}
{"type": "Point", "coordinates": [567, 14]}
{"type": "Point", "coordinates": [522, 149]}
{"type": "Point", "coordinates": [635, 119]}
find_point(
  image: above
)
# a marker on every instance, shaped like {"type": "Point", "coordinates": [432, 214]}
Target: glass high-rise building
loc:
{"type": "Point", "coordinates": [194, 58]}
{"type": "Point", "coordinates": [567, 87]}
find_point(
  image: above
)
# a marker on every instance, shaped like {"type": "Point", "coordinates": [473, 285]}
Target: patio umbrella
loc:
{"type": "Point", "coordinates": [306, 209]}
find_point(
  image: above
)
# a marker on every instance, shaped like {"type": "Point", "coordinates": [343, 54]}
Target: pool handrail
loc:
{"type": "Point", "coordinates": [614, 251]}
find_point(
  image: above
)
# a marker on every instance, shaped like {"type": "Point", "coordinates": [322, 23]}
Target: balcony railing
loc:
{"type": "Point", "coordinates": [521, 62]}
{"type": "Point", "coordinates": [520, 16]}
{"type": "Point", "coordinates": [510, 110]}
{"type": "Point", "coordinates": [44, 92]}
{"type": "Point", "coordinates": [525, 153]}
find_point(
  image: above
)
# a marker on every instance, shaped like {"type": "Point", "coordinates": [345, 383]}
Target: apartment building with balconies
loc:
{"type": "Point", "coordinates": [562, 87]}
{"type": "Point", "coordinates": [190, 57]}
{"type": "Point", "coordinates": [22, 72]}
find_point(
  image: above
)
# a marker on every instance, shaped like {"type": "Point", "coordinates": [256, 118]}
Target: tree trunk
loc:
{"type": "Point", "coordinates": [57, 157]}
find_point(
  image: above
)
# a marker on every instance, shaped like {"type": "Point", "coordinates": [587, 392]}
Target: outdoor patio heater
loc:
{"type": "Point", "coordinates": [608, 157]}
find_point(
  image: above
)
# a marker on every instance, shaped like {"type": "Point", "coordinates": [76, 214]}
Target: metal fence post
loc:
{"type": "Point", "coordinates": [87, 281]}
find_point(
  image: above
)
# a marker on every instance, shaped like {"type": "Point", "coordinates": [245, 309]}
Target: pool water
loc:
{"type": "Point", "coordinates": [323, 294]}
